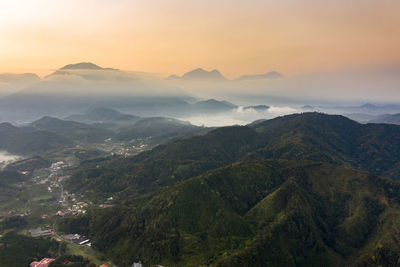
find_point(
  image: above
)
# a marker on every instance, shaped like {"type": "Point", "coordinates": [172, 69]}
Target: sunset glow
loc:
{"type": "Point", "coordinates": [236, 37]}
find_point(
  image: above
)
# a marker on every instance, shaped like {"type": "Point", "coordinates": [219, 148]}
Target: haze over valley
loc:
{"type": "Point", "coordinates": [77, 87]}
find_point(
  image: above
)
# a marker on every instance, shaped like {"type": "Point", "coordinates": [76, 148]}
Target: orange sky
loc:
{"type": "Point", "coordinates": [235, 36]}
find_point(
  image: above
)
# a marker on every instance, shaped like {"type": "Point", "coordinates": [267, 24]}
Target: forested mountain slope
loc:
{"type": "Point", "coordinates": [265, 213]}
{"type": "Point", "coordinates": [309, 136]}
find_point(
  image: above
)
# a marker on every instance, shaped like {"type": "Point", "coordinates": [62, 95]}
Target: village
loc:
{"type": "Point", "coordinates": [44, 200]}
{"type": "Point", "coordinates": [125, 149]}
{"type": "Point", "coordinates": [67, 203]}
{"type": "Point", "coordinates": [55, 202]}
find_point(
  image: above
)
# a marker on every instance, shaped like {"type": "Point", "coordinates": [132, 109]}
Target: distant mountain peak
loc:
{"type": "Point", "coordinates": [201, 74]}
{"type": "Point", "coordinates": [216, 72]}
{"type": "Point", "coordinates": [173, 77]}
{"type": "Point", "coordinates": [198, 70]}
{"type": "Point", "coordinates": [213, 105]}
{"type": "Point", "coordinates": [103, 110]}
{"type": "Point", "coordinates": [369, 106]}
{"type": "Point", "coordinates": [7, 125]}
{"type": "Point", "coordinates": [268, 75]}
{"type": "Point", "coordinates": [82, 66]}
{"type": "Point", "coordinates": [101, 114]}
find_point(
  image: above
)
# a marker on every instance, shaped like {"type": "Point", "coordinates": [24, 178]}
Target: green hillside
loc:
{"type": "Point", "coordinates": [103, 114]}
{"type": "Point", "coordinates": [269, 213]}
{"type": "Point", "coordinates": [20, 141]}
{"type": "Point", "coordinates": [166, 164]}
{"type": "Point", "coordinates": [29, 164]}
{"type": "Point", "coordinates": [77, 131]}
{"type": "Point", "coordinates": [299, 190]}
{"type": "Point", "coordinates": [18, 250]}
{"type": "Point", "coordinates": [331, 138]}
{"type": "Point", "coordinates": [159, 129]}
{"type": "Point", "coordinates": [310, 136]}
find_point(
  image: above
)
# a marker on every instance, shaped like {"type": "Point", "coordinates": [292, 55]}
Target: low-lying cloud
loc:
{"type": "Point", "coordinates": [239, 116]}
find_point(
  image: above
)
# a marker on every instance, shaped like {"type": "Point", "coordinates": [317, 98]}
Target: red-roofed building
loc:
{"type": "Point", "coordinates": [103, 265]}
{"type": "Point", "coordinates": [43, 263]}
{"type": "Point", "coordinates": [67, 262]}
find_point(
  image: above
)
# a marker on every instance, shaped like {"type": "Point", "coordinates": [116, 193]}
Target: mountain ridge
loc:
{"type": "Point", "coordinates": [309, 136]}
{"type": "Point", "coordinates": [199, 74]}
{"type": "Point", "coordinates": [16, 140]}
{"type": "Point", "coordinates": [84, 66]}
{"type": "Point", "coordinates": [267, 75]}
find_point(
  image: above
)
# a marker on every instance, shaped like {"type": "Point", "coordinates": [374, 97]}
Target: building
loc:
{"type": "Point", "coordinates": [77, 239]}
{"type": "Point", "coordinates": [43, 263]}
{"type": "Point", "coordinates": [39, 232]}
{"type": "Point", "coordinates": [84, 242]}
{"type": "Point", "coordinates": [71, 237]}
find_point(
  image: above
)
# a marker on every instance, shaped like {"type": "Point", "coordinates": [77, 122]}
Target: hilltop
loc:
{"type": "Point", "coordinates": [268, 75]}
{"type": "Point", "coordinates": [17, 140]}
{"type": "Point", "coordinates": [73, 130]}
{"type": "Point", "coordinates": [81, 66]}
{"type": "Point", "coordinates": [200, 74]}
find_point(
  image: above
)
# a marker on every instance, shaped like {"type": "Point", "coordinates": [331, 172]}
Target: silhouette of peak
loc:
{"type": "Point", "coordinates": [82, 66]}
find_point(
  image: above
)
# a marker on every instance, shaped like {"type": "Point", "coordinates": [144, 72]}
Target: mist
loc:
{"type": "Point", "coordinates": [239, 116]}
{"type": "Point", "coordinates": [375, 83]}
{"type": "Point", "coordinates": [74, 88]}
{"type": "Point", "coordinates": [7, 158]}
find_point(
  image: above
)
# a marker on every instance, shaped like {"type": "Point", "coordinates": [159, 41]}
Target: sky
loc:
{"type": "Point", "coordinates": [234, 36]}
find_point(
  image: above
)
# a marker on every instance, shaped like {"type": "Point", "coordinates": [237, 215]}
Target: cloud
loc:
{"type": "Point", "coordinates": [239, 116]}
{"type": "Point", "coordinates": [6, 158]}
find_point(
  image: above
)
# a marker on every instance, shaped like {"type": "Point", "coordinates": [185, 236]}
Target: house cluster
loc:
{"type": "Point", "coordinates": [122, 152]}
{"type": "Point", "coordinates": [76, 209]}
{"type": "Point", "coordinates": [55, 180]}
{"type": "Point", "coordinates": [65, 196]}
{"type": "Point", "coordinates": [56, 166]}
{"type": "Point", "coordinates": [131, 148]}
{"type": "Point", "coordinates": [54, 176]}
{"type": "Point", "coordinates": [79, 207]}
{"type": "Point", "coordinates": [43, 263]}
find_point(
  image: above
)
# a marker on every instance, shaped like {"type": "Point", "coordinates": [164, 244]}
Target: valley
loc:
{"type": "Point", "coordinates": [32, 182]}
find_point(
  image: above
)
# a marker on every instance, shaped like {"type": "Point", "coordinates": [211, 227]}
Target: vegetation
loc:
{"type": "Point", "coordinates": [300, 190]}
{"type": "Point", "coordinates": [77, 131]}
{"type": "Point", "coordinates": [265, 213]}
{"type": "Point", "coordinates": [17, 140]}
{"type": "Point", "coordinates": [18, 250]}
{"type": "Point", "coordinates": [310, 136]}
{"type": "Point", "coordinates": [159, 129]}
{"type": "Point", "coordinates": [72, 261]}
{"type": "Point", "coordinates": [29, 164]}
{"type": "Point", "coordinates": [13, 222]}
